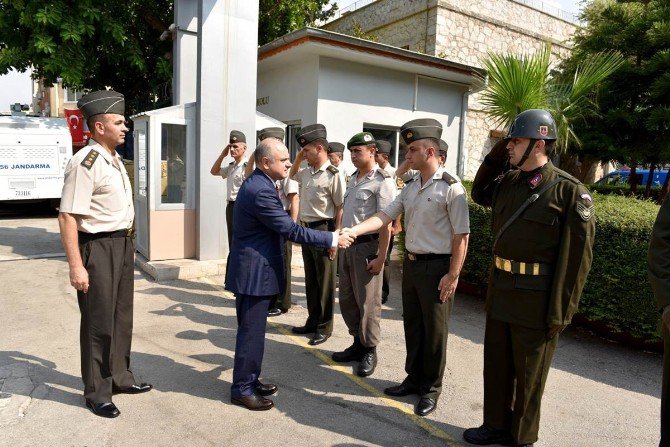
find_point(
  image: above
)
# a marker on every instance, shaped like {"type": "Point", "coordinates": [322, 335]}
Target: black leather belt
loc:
{"type": "Point", "coordinates": [366, 238]}
{"type": "Point", "coordinates": [318, 223]}
{"type": "Point", "coordinates": [427, 257]}
{"type": "Point", "coordinates": [87, 237]}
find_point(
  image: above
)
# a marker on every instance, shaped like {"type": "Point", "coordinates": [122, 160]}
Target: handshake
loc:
{"type": "Point", "coordinates": [346, 237]}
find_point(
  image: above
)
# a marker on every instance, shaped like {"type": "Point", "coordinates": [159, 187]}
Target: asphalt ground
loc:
{"type": "Point", "coordinates": [598, 393]}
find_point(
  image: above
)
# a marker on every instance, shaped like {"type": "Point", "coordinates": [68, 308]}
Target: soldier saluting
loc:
{"type": "Point", "coordinates": [543, 229]}
{"type": "Point", "coordinates": [96, 218]}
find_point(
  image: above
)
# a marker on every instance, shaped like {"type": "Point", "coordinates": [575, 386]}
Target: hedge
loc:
{"type": "Point", "coordinates": [617, 295]}
{"type": "Point", "coordinates": [624, 190]}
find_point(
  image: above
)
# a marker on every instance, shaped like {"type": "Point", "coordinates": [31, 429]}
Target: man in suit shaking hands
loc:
{"type": "Point", "coordinates": [255, 272]}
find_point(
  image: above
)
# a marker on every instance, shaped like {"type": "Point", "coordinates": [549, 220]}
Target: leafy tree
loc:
{"type": "Point", "coordinates": [278, 17]}
{"type": "Point", "coordinates": [520, 82]}
{"type": "Point", "coordinates": [92, 44]}
{"type": "Point", "coordinates": [634, 126]}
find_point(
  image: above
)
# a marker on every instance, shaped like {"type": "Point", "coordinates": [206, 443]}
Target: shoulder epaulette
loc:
{"type": "Point", "coordinates": [332, 169]}
{"type": "Point", "coordinates": [410, 180]}
{"type": "Point", "coordinates": [90, 158]}
{"type": "Point", "coordinates": [354, 174]}
{"type": "Point", "coordinates": [231, 163]}
{"type": "Point", "coordinates": [384, 173]}
{"type": "Point", "coordinates": [449, 178]}
{"type": "Point", "coordinates": [567, 176]}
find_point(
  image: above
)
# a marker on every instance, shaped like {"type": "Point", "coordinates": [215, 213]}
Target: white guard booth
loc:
{"type": "Point", "coordinates": [165, 169]}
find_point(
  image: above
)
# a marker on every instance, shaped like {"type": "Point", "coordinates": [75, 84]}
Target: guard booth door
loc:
{"type": "Point", "coordinates": [165, 195]}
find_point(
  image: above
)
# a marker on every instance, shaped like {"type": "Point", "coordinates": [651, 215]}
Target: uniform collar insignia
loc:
{"type": "Point", "coordinates": [535, 180]}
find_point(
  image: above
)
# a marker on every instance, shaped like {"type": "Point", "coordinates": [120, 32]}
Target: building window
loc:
{"type": "Point", "coordinates": [173, 163]}
{"type": "Point", "coordinates": [72, 95]}
{"type": "Point", "coordinates": [292, 128]}
{"type": "Point", "coordinates": [392, 135]}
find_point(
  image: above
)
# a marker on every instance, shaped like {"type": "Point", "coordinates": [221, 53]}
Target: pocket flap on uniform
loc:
{"type": "Point", "coordinates": [363, 194]}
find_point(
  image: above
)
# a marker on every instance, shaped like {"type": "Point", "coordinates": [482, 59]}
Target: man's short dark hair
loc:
{"type": "Point", "coordinates": [90, 122]}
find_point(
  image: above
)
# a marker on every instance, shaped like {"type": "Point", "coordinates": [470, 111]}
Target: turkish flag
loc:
{"type": "Point", "coordinates": [76, 123]}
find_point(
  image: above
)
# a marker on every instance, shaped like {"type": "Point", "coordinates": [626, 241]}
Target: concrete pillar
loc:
{"type": "Point", "coordinates": [226, 100]}
{"type": "Point", "coordinates": [185, 52]}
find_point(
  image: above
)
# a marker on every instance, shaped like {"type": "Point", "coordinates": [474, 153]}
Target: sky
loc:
{"type": "Point", "coordinates": [15, 87]}
{"type": "Point", "coordinates": [566, 5]}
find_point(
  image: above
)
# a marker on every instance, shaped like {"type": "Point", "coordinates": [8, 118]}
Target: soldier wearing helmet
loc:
{"type": "Point", "coordinates": [543, 229]}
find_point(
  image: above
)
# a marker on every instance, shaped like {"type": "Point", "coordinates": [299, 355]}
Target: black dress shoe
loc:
{"type": "Point", "coordinates": [400, 390]}
{"type": "Point", "coordinates": [425, 406]}
{"type": "Point", "coordinates": [274, 312]}
{"type": "Point", "coordinates": [486, 435]}
{"type": "Point", "coordinates": [253, 402]}
{"type": "Point", "coordinates": [368, 363]}
{"type": "Point", "coordinates": [105, 409]}
{"type": "Point", "coordinates": [266, 389]}
{"type": "Point", "coordinates": [133, 389]}
{"type": "Point", "coordinates": [352, 353]}
{"type": "Point", "coordinates": [318, 339]}
{"type": "Point", "coordinates": [302, 330]}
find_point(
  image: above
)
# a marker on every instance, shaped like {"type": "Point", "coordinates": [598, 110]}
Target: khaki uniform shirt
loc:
{"type": "Point", "coordinates": [321, 192]}
{"type": "Point", "coordinates": [285, 188]}
{"type": "Point", "coordinates": [433, 212]}
{"type": "Point", "coordinates": [235, 175]}
{"type": "Point", "coordinates": [97, 192]}
{"type": "Point", "coordinates": [390, 170]}
{"type": "Point", "coordinates": [365, 197]}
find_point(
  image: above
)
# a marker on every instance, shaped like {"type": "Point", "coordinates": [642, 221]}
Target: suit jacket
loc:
{"type": "Point", "coordinates": [260, 225]}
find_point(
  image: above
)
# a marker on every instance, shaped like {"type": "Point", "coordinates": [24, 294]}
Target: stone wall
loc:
{"type": "Point", "coordinates": [461, 32]}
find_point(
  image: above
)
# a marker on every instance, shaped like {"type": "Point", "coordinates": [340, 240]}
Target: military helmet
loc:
{"type": "Point", "coordinates": [536, 124]}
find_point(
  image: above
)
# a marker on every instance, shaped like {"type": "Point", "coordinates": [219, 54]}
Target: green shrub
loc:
{"type": "Point", "coordinates": [624, 190]}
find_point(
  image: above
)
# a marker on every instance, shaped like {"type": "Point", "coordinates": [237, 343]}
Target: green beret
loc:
{"type": "Point", "coordinates": [335, 147]}
{"type": "Point", "coordinates": [383, 146]}
{"type": "Point", "coordinates": [419, 129]}
{"type": "Point", "coordinates": [101, 102]}
{"type": "Point", "coordinates": [237, 137]}
{"type": "Point", "coordinates": [311, 133]}
{"type": "Point", "coordinates": [444, 147]}
{"type": "Point", "coordinates": [361, 139]}
{"type": "Point", "coordinates": [271, 132]}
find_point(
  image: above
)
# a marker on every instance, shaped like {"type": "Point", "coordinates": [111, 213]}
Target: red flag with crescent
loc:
{"type": "Point", "coordinates": [75, 121]}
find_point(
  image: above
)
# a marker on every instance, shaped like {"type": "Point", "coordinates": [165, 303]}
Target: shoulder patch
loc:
{"type": "Point", "coordinates": [585, 211]}
{"type": "Point", "coordinates": [449, 178]}
{"type": "Point", "coordinates": [332, 169]}
{"type": "Point", "coordinates": [90, 159]}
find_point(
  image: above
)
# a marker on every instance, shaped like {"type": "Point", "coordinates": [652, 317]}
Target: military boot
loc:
{"type": "Point", "coordinates": [486, 435]}
{"type": "Point", "coordinates": [368, 362]}
{"type": "Point", "coordinates": [351, 354]}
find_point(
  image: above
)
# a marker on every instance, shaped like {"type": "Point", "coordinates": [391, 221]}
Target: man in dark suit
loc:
{"type": "Point", "coordinates": [255, 272]}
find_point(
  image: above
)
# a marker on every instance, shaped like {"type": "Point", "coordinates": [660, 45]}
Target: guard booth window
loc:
{"type": "Point", "coordinates": [292, 144]}
{"type": "Point", "coordinates": [392, 135]}
{"type": "Point", "coordinates": [173, 163]}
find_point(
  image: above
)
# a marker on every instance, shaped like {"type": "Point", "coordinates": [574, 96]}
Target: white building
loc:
{"type": "Point", "coordinates": [351, 85]}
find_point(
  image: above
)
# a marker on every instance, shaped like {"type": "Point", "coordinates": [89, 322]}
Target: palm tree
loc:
{"type": "Point", "coordinates": [517, 83]}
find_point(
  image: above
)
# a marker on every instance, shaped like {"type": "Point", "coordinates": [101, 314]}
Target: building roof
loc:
{"type": "Point", "coordinates": [294, 46]}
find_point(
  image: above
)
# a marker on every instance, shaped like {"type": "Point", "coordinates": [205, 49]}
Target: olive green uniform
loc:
{"type": "Point", "coordinates": [659, 276]}
{"type": "Point", "coordinates": [434, 212]}
{"type": "Point", "coordinates": [544, 257]}
{"type": "Point", "coordinates": [360, 290]}
{"type": "Point", "coordinates": [321, 194]}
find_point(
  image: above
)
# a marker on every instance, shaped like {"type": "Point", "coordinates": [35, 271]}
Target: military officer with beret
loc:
{"type": "Point", "coordinates": [543, 229]}
{"type": "Point", "coordinates": [382, 159]}
{"type": "Point", "coordinates": [370, 190]}
{"type": "Point", "coordinates": [321, 197]}
{"type": "Point", "coordinates": [436, 240]}
{"type": "Point", "coordinates": [233, 172]}
{"type": "Point", "coordinates": [658, 260]}
{"type": "Point", "coordinates": [96, 219]}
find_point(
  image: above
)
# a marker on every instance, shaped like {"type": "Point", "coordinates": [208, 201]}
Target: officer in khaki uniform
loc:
{"type": "Point", "coordinates": [659, 276]}
{"type": "Point", "coordinates": [321, 197]}
{"type": "Point", "coordinates": [543, 229]}
{"type": "Point", "coordinates": [95, 219]}
{"type": "Point", "coordinates": [234, 173]}
{"type": "Point", "coordinates": [369, 191]}
{"type": "Point", "coordinates": [437, 228]}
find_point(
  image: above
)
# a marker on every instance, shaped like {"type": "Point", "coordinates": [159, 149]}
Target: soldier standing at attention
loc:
{"type": "Point", "coordinates": [321, 196]}
{"type": "Point", "coordinates": [336, 157]}
{"type": "Point", "coordinates": [234, 172]}
{"type": "Point", "coordinates": [382, 159]}
{"type": "Point", "coordinates": [369, 191]}
{"type": "Point", "coordinates": [543, 229]}
{"type": "Point", "coordinates": [436, 241]}
{"type": "Point", "coordinates": [96, 220]}
{"type": "Point", "coordinates": [659, 275]}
